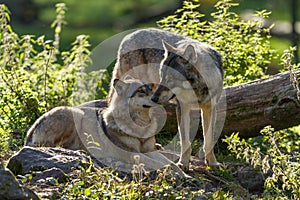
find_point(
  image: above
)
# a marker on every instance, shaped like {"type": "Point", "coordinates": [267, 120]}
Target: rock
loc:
{"type": "Point", "coordinates": [250, 178]}
{"type": "Point", "coordinates": [31, 159]}
{"type": "Point", "coordinates": [47, 166]}
{"type": "Point", "coordinates": [10, 187]}
{"type": "Point", "coordinates": [50, 175]}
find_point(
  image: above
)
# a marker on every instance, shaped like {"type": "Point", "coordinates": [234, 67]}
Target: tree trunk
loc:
{"type": "Point", "coordinates": [250, 107]}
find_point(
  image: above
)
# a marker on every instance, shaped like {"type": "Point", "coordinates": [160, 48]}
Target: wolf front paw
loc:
{"type": "Point", "coordinates": [184, 167]}
{"type": "Point", "coordinates": [159, 147]}
{"type": "Point", "coordinates": [214, 164]}
{"type": "Point", "coordinates": [211, 160]}
{"type": "Point", "coordinates": [179, 170]}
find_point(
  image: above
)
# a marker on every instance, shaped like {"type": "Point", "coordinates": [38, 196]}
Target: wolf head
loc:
{"type": "Point", "coordinates": [132, 111]}
{"type": "Point", "coordinates": [177, 72]}
{"type": "Point", "coordinates": [133, 93]}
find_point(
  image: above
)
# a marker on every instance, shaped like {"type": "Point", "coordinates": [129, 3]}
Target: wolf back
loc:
{"type": "Point", "coordinates": [141, 52]}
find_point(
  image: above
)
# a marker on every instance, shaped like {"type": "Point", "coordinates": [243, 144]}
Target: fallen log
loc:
{"type": "Point", "coordinates": [249, 107]}
{"type": "Point", "coordinates": [254, 105]}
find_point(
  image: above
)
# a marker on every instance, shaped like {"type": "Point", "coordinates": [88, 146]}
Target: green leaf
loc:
{"type": "Point", "coordinates": [87, 192]}
{"type": "Point", "coordinates": [81, 183]}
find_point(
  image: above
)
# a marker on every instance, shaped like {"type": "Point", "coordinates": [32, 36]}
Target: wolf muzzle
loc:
{"type": "Point", "coordinates": [155, 98]}
{"type": "Point", "coordinates": [159, 91]}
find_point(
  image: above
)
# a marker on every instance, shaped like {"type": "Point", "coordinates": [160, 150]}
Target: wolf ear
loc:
{"type": "Point", "coordinates": [120, 86]}
{"type": "Point", "coordinates": [168, 47]}
{"type": "Point", "coordinates": [190, 54]}
{"type": "Point", "coordinates": [128, 77]}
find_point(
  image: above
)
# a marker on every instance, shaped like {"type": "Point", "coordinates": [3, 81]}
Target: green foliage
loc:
{"type": "Point", "coordinates": [106, 184]}
{"type": "Point", "coordinates": [4, 142]}
{"type": "Point", "coordinates": [277, 155]}
{"type": "Point", "coordinates": [35, 76]}
{"type": "Point", "coordinates": [244, 45]}
{"type": "Point", "coordinates": [286, 60]}
{"type": "Point", "coordinates": [58, 23]}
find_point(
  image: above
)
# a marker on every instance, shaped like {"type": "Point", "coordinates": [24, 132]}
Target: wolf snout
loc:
{"type": "Point", "coordinates": [154, 98]}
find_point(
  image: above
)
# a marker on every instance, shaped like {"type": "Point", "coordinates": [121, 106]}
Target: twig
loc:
{"type": "Point", "coordinates": [45, 77]}
{"type": "Point", "coordinates": [221, 180]}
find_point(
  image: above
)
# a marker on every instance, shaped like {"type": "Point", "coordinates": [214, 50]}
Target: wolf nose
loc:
{"type": "Point", "coordinates": [154, 99]}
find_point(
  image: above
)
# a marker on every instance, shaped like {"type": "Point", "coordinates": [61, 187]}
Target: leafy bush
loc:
{"type": "Point", "coordinates": [244, 45]}
{"type": "Point", "coordinates": [35, 76]}
{"type": "Point", "coordinates": [4, 142]}
{"type": "Point", "coordinates": [277, 155]}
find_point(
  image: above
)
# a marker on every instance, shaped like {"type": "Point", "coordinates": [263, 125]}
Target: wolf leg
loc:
{"type": "Point", "coordinates": [183, 119]}
{"type": "Point", "coordinates": [208, 124]}
{"type": "Point", "coordinates": [111, 154]}
{"type": "Point", "coordinates": [155, 159]}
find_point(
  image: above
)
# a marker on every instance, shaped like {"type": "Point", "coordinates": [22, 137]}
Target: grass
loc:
{"type": "Point", "coordinates": [106, 183]}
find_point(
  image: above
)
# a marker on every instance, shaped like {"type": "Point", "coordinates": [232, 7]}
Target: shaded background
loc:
{"type": "Point", "coordinates": [101, 19]}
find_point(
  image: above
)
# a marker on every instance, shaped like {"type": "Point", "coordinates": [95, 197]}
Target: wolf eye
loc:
{"type": "Point", "coordinates": [141, 91]}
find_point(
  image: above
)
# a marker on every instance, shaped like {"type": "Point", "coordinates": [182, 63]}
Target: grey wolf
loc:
{"type": "Point", "coordinates": [113, 134]}
{"type": "Point", "coordinates": [192, 73]}
{"type": "Point", "coordinates": [182, 68]}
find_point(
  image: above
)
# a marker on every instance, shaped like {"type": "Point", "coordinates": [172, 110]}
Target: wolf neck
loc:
{"type": "Point", "coordinates": [140, 118]}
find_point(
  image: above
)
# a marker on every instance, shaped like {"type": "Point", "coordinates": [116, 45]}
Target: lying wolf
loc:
{"type": "Point", "coordinates": [125, 129]}
{"type": "Point", "coordinates": [184, 68]}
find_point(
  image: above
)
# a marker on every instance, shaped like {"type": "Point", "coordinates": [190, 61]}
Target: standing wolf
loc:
{"type": "Point", "coordinates": [185, 69]}
{"type": "Point", "coordinates": [120, 138]}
